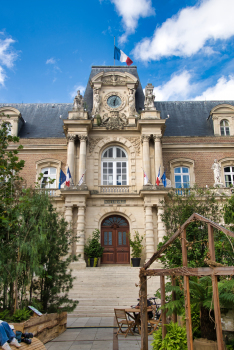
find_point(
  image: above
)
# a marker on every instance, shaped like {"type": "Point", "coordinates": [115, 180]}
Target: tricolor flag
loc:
{"type": "Point", "coordinates": [121, 56]}
{"type": "Point", "coordinates": [81, 179]}
{"type": "Point", "coordinates": [164, 179]}
{"type": "Point", "coordinates": [62, 178]}
{"type": "Point", "coordinates": [68, 178]}
{"type": "Point", "coordinates": [158, 177]}
{"type": "Point", "coordinates": [146, 180]}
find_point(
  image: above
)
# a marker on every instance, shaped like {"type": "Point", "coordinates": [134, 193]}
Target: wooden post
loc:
{"type": "Point", "coordinates": [144, 314]}
{"type": "Point", "coordinates": [187, 295]}
{"type": "Point", "coordinates": [173, 282]}
{"type": "Point", "coordinates": [218, 325]}
{"type": "Point", "coordinates": [162, 287]}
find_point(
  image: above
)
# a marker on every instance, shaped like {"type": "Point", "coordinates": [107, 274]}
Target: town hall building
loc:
{"type": "Point", "coordinates": [119, 138]}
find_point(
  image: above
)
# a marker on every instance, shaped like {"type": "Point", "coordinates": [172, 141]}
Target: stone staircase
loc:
{"type": "Point", "coordinates": [101, 289]}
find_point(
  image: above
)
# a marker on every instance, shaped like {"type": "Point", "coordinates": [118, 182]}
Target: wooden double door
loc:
{"type": "Point", "coordinates": [115, 241]}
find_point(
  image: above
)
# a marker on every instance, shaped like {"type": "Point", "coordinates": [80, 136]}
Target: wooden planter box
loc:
{"type": "Point", "coordinates": [45, 327]}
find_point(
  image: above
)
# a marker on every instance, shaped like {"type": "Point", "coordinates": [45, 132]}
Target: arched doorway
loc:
{"type": "Point", "coordinates": [114, 239]}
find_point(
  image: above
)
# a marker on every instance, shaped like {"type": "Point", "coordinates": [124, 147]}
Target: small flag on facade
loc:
{"type": "Point", "coordinates": [62, 178]}
{"type": "Point", "coordinates": [81, 179]}
{"type": "Point", "coordinates": [121, 56]}
{"type": "Point", "coordinates": [68, 178]}
{"type": "Point", "coordinates": [164, 179]}
{"type": "Point", "coordinates": [146, 180]}
{"type": "Point", "coordinates": [158, 177]}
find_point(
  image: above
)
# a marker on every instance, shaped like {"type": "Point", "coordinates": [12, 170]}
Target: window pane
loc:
{"type": "Point", "coordinates": [124, 170]}
{"type": "Point", "coordinates": [123, 154]}
{"type": "Point", "coordinates": [118, 171]}
{"type": "Point", "coordinates": [124, 238]}
{"type": "Point", "coordinates": [124, 164]}
{"type": "Point", "coordinates": [227, 169]}
{"type": "Point", "coordinates": [118, 152]}
{"type": "Point", "coordinates": [118, 165]}
{"type": "Point", "coordinates": [104, 171]}
{"type": "Point", "coordinates": [177, 178]}
{"type": "Point", "coordinates": [227, 131]}
{"type": "Point", "coordinates": [110, 238]}
{"type": "Point", "coordinates": [105, 165]}
{"type": "Point", "coordinates": [185, 178]}
{"type": "Point", "coordinates": [177, 170]}
{"type": "Point", "coordinates": [119, 238]}
{"type": "Point", "coordinates": [105, 238]}
{"type": "Point", "coordinates": [110, 152]}
{"type": "Point", "coordinates": [105, 155]}
{"type": "Point", "coordinates": [178, 185]}
{"type": "Point", "coordinates": [185, 170]}
{"type": "Point", "coordinates": [124, 182]}
{"type": "Point", "coordinates": [222, 130]}
{"type": "Point", "coordinates": [52, 170]}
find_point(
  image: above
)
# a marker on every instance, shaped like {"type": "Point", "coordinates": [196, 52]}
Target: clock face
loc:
{"type": "Point", "coordinates": [114, 101]}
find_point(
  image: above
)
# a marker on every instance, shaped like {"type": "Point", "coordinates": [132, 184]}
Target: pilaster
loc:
{"type": "Point", "coordinates": [146, 155]}
{"type": "Point", "coordinates": [149, 232]}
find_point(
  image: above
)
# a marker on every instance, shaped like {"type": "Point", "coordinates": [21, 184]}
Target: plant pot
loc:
{"type": "Point", "coordinates": [93, 261]}
{"type": "Point", "coordinates": [136, 262]}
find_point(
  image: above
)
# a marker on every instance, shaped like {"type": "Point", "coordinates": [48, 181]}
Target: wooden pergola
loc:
{"type": "Point", "coordinates": [185, 271]}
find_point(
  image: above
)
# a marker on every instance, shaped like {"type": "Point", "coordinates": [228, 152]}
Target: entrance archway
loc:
{"type": "Point", "coordinates": [115, 241]}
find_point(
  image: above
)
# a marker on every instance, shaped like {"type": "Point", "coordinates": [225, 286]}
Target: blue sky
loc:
{"type": "Point", "coordinates": [184, 48]}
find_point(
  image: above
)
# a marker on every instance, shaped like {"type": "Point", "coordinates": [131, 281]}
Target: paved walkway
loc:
{"type": "Point", "coordinates": [94, 333]}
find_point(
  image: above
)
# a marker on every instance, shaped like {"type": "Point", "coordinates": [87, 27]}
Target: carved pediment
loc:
{"type": "Point", "coordinates": [114, 78]}
{"type": "Point", "coordinates": [222, 109]}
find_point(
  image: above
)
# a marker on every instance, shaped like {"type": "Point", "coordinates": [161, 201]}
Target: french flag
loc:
{"type": "Point", "coordinates": [68, 178]}
{"type": "Point", "coordinates": [121, 56]}
{"type": "Point", "coordinates": [158, 178]}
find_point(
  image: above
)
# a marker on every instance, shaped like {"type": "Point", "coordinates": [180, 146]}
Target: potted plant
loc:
{"type": "Point", "coordinates": [93, 249]}
{"type": "Point", "coordinates": [137, 248]}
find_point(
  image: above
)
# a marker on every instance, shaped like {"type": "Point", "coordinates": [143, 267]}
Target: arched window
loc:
{"type": "Point", "coordinates": [229, 175]}
{"type": "Point", "coordinates": [49, 173]}
{"type": "Point", "coordinates": [182, 178]}
{"type": "Point", "coordinates": [114, 166]}
{"type": "Point", "coordinates": [224, 128]}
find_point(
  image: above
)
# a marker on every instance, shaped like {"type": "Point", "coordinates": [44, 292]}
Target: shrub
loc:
{"type": "Point", "coordinates": [175, 339]}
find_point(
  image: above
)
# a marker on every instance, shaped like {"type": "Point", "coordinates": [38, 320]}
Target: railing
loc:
{"type": "Point", "coordinates": [114, 189]}
{"type": "Point", "coordinates": [52, 192]}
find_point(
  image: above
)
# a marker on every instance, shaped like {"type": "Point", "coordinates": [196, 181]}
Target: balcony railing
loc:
{"type": "Point", "coordinates": [114, 189]}
{"type": "Point", "coordinates": [52, 192]}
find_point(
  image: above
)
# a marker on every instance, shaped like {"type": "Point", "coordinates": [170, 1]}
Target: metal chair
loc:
{"type": "Point", "coordinates": [121, 319]}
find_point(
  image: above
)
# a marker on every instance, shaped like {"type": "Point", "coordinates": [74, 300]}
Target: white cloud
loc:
{"type": "Point", "coordinates": [7, 56]}
{"type": "Point", "coordinates": [189, 31]}
{"type": "Point", "coordinates": [223, 90]}
{"type": "Point", "coordinates": [51, 61]}
{"type": "Point", "coordinates": [131, 11]}
{"type": "Point", "coordinates": [77, 87]}
{"type": "Point", "coordinates": [177, 88]}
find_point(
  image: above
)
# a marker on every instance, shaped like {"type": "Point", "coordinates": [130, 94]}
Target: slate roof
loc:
{"type": "Point", "coordinates": [187, 118]}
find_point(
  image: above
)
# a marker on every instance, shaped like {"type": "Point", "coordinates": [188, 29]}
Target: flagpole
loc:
{"type": "Point", "coordinates": [114, 50]}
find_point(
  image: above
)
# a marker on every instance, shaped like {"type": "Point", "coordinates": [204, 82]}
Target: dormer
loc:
{"type": "Point", "coordinates": [13, 116]}
{"type": "Point", "coordinates": [223, 120]}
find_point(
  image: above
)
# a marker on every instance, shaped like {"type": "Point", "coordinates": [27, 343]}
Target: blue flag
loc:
{"type": "Point", "coordinates": [62, 178]}
{"type": "Point", "coordinates": [164, 179]}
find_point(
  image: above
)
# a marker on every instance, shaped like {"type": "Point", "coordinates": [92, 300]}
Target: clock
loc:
{"type": "Point", "coordinates": [114, 101]}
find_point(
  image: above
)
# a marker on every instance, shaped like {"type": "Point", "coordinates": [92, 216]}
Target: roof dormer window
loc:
{"type": "Point", "coordinates": [224, 128]}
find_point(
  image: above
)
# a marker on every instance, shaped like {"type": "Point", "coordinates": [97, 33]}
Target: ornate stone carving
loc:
{"type": "Point", "coordinates": [113, 80]}
{"type": "Point", "coordinates": [96, 102]}
{"type": "Point", "coordinates": [131, 102]}
{"type": "Point", "coordinates": [149, 98]}
{"type": "Point", "coordinates": [217, 173]}
{"type": "Point", "coordinates": [145, 138]}
{"type": "Point", "coordinates": [82, 137]}
{"type": "Point", "coordinates": [93, 142]}
{"type": "Point", "coordinates": [157, 138]}
{"type": "Point", "coordinates": [136, 141]}
{"type": "Point", "coordinates": [168, 183]}
{"type": "Point", "coordinates": [114, 121]}
{"type": "Point", "coordinates": [78, 101]}
{"type": "Point", "coordinates": [71, 137]}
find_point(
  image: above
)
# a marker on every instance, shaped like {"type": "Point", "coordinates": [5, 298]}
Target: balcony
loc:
{"type": "Point", "coordinates": [114, 189]}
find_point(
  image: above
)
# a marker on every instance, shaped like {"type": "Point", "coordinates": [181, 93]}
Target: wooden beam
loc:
{"type": "Point", "coordinates": [218, 325]}
{"type": "Point", "coordinates": [193, 217]}
{"type": "Point", "coordinates": [189, 271]}
{"type": "Point", "coordinates": [188, 314]}
{"type": "Point", "coordinates": [173, 282]}
{"type": "Point", "coordinates": [211, 242]}
{"type": "Point", "coordinates": [184, 248]}
{"type": "Point", "coordinates": [144, 314]}
{"type": "Point", "coordinates": [163, 301]}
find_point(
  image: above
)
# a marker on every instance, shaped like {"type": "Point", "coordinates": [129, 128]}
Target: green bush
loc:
{"type": "Point", "coordinates": [93, 248]}
{"type": "Point", "coordinates": [136, 245]}
{"type": "Point", "coordinates": [21, 315]}
{"type": "Point", "coordinates": [175, 339]}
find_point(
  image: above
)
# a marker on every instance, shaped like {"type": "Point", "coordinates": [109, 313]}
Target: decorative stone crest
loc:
{"type": "Point", "coordinates": [149, 98]}
{"type": "Point", "coordinates": [78, 102]}
{"type": "Point", "coordinates": [114, 121]}
{"type": "Point", "coordinates": [113, 80]}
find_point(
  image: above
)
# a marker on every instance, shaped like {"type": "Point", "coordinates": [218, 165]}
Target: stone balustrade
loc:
{"type": "Point", "coordinates": [114, 189]}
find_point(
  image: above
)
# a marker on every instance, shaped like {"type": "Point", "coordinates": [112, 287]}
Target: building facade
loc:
{"type": "Point", "coordinates": [112, 136]}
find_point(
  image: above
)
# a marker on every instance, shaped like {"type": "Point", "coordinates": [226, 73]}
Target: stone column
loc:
{"type": "Point", "coordinates": [158, 155]}
{"type": "Point", "coordinates": [71, 155]}
{"type": "Point", "coordinates": [161, 227]}
{"type": "Point", "coordinates": [82, 163]}
{"type": "Point", "coordinates": [69, 219]}
{"type": "Point", "coordinates": [149, 232]}
{"type": "Point", "coordinates": [146, 155]}
{"type": "Point", "coordinates": [80, 233]}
